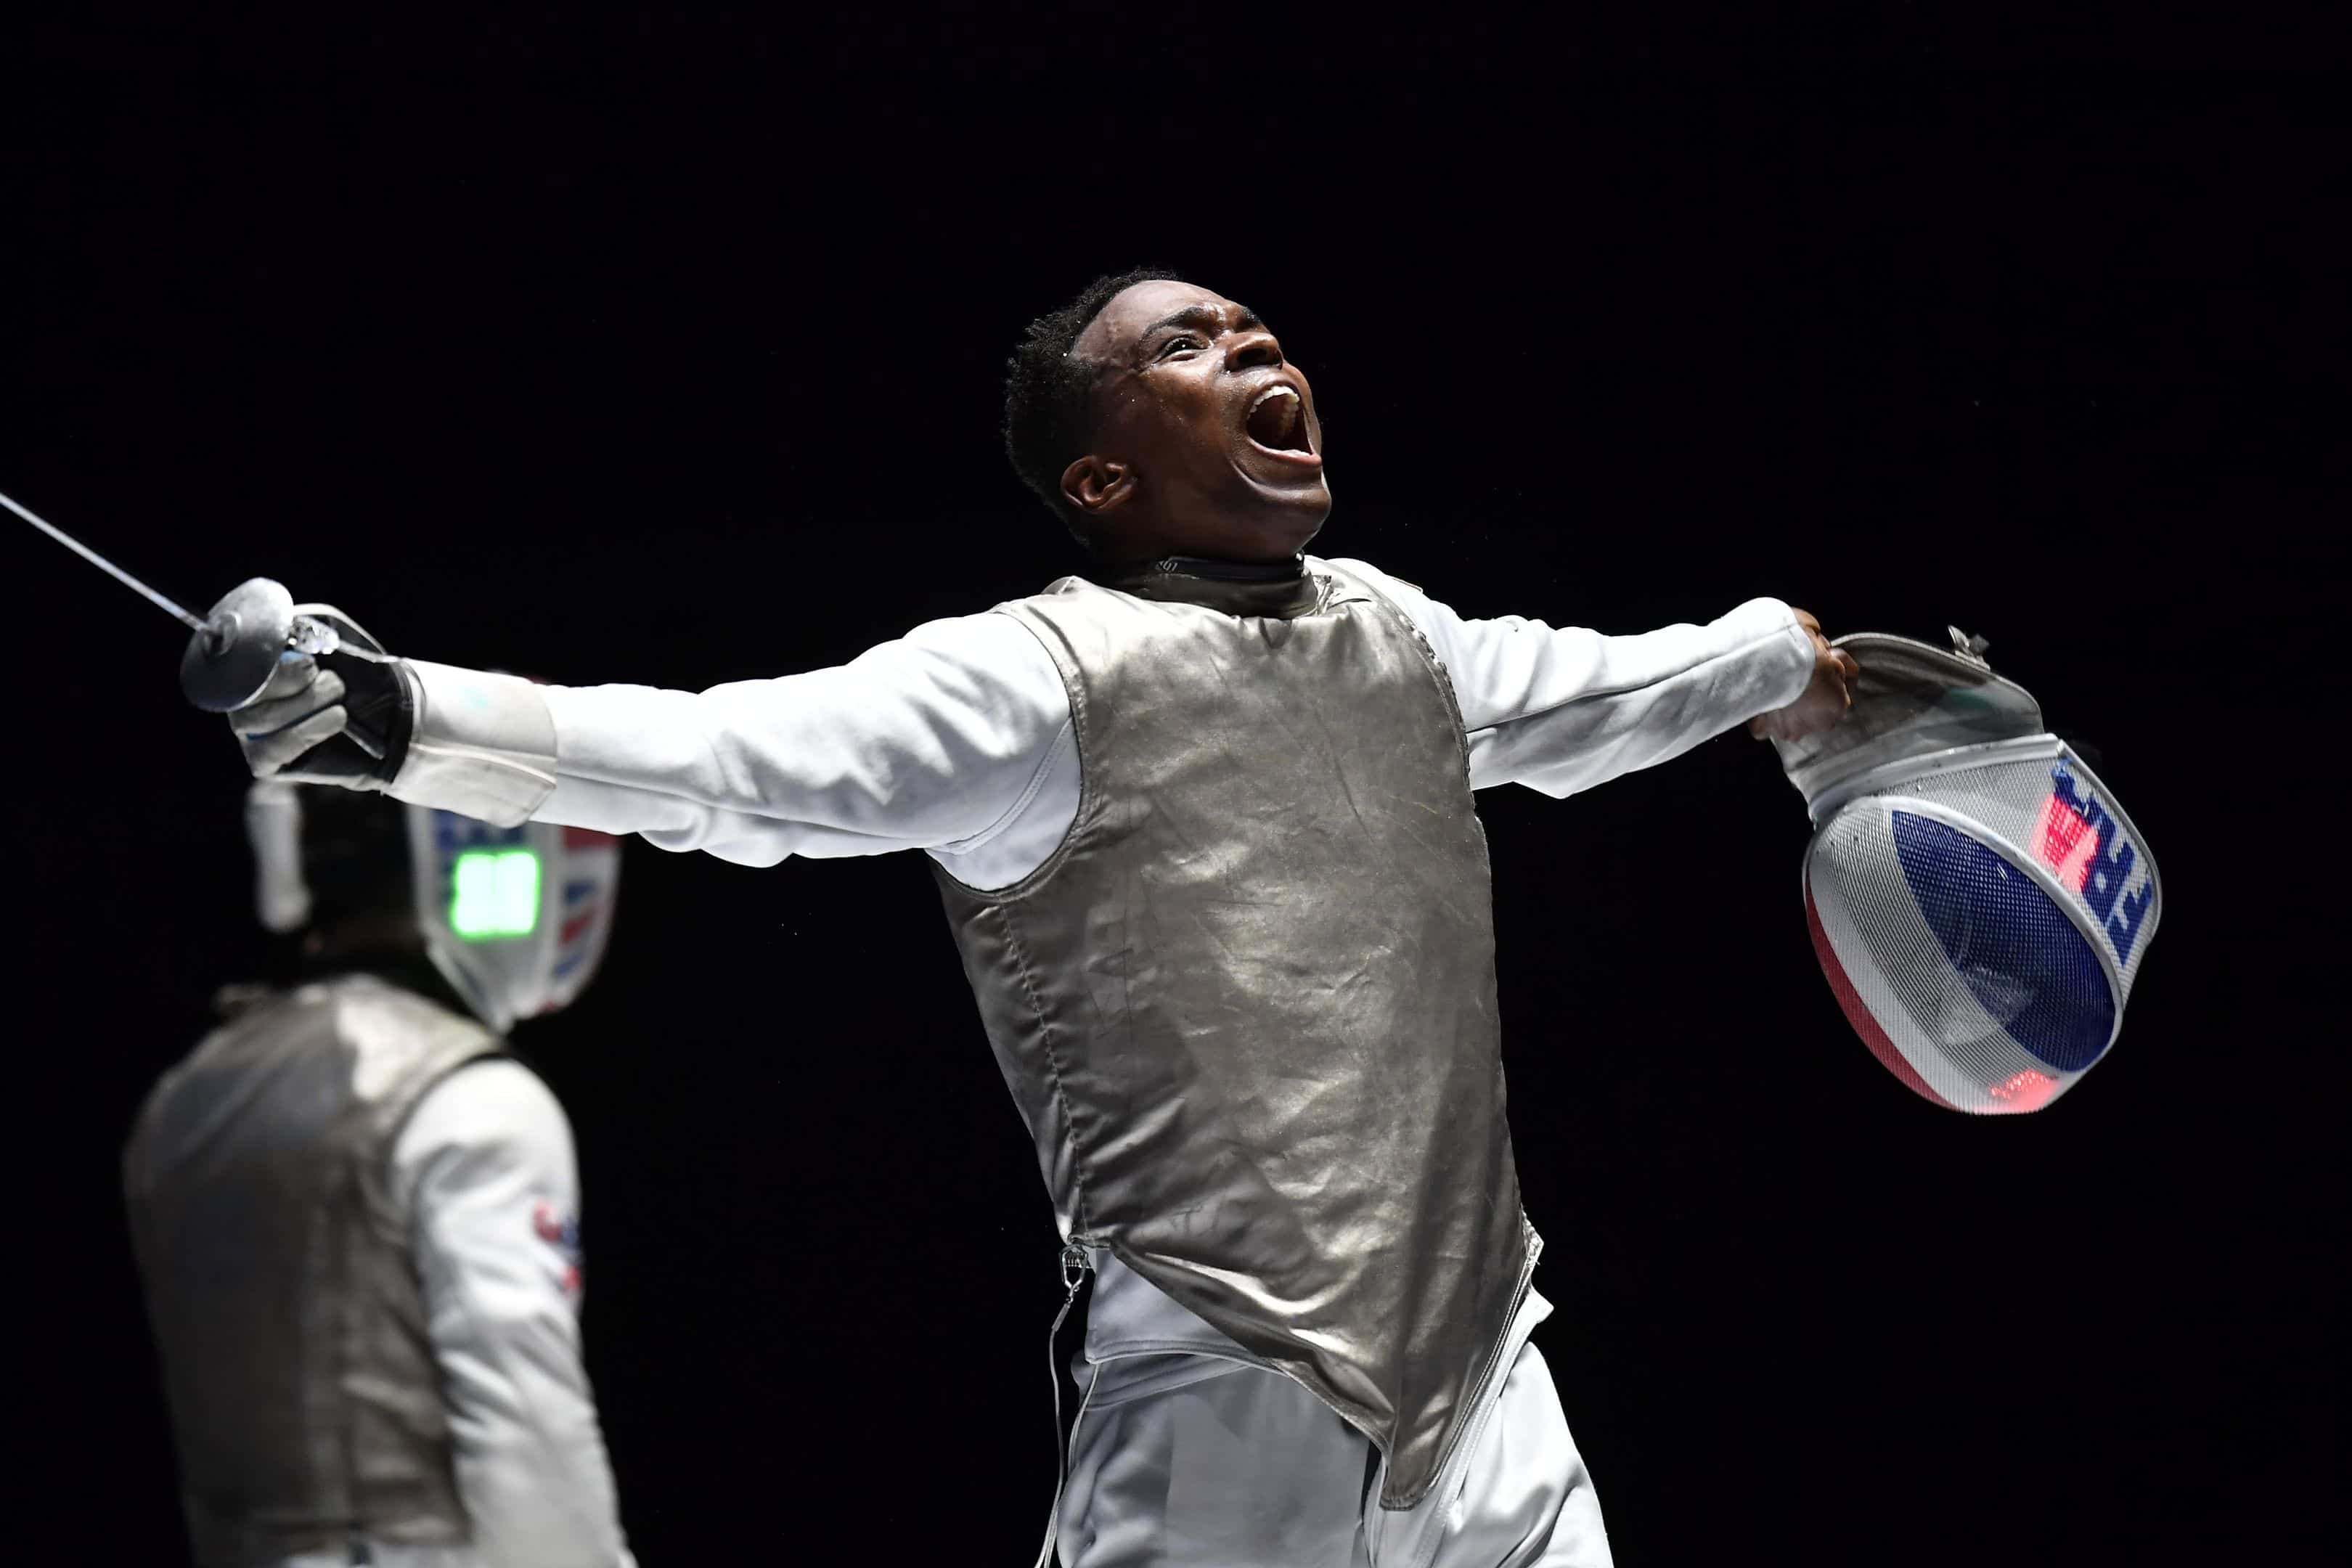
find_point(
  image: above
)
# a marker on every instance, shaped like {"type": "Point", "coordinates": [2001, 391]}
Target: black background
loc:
{"type": "Point", "coordinates": [671, 355]}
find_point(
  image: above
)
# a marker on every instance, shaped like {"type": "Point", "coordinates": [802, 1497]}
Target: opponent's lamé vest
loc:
{"type": "Point", "coordinates": [1247, 1009]}
{"type": "Point", "coordinates": [281, 1282]}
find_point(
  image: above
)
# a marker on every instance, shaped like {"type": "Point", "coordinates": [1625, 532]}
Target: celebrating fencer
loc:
{"type": "Point", "coordinates": [356, 1215]}
{"type": "Point", "coordinates": [1203, 820]}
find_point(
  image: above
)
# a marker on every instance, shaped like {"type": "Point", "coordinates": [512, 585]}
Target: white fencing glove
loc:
{"type": "Point", "coordinates": [339, 718]}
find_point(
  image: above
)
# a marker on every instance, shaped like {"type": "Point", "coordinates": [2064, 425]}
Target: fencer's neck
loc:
{"type": "Point", "coordinates": [404, 964]}
{"type": "Point", "coordinates": [1281, 589]}
{"type": "Point", "coordinates": [1211, 570]}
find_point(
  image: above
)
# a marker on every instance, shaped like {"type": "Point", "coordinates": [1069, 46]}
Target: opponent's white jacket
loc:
{"type": "Point", "coordinates": [487, 1163]}
{"type": "Point", "coordinates": [358, 1229]}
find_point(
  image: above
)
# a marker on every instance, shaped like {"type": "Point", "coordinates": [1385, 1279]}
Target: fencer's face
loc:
{"type": "Point", "coordinates": [1206, 440]}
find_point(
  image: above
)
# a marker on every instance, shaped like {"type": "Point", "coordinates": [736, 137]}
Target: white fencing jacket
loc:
{"type": "Point", "coordinates": [487, 1160]}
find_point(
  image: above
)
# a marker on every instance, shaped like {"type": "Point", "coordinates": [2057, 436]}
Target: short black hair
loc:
{"type": "Point", "coordinates": [1049, 393]}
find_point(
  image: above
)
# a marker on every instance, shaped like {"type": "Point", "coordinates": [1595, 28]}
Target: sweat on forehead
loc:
{"type": "Point", "coordinates": [1136, 312]}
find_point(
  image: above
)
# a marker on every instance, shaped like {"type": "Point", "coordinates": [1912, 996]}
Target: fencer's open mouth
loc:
{"type": "Point", "coordinates": [1276, 424]}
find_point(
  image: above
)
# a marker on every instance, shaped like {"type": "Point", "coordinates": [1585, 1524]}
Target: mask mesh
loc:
{"type": "Point", "coordinates": [1989, 985]}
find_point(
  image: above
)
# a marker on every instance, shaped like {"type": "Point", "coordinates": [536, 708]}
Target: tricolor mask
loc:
{"type": "Point", "coordinates": [1977, 900]}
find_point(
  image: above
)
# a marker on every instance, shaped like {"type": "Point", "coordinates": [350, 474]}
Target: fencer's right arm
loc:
{"type": "Point", "coordinates": [940, 740]}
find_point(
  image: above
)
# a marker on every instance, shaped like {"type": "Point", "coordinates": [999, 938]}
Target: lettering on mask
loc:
{"type": "Point", "coordinates": [2081, 841]}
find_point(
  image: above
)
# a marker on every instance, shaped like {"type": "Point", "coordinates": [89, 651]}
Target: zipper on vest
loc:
{"type": "Point", "coordinates": [1076, 1263]}
{"type": "Point", "coordinates": [1494, 1351]}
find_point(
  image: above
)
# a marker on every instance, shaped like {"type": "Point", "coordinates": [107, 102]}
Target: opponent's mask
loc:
{"type": "Point", "coordinates": [1978, 899]}
{"type": "Point", "coordinates": [516, 919]}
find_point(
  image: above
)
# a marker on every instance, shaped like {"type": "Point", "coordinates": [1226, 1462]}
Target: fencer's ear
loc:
{"type": "Point", "coordinates": [1096, 485]}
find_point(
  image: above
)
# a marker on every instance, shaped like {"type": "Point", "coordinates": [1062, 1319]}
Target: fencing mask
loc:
{"type": "Point", "coordinates": [1978, 899]}
{"type": "Point", "coordinates": [515, 918]}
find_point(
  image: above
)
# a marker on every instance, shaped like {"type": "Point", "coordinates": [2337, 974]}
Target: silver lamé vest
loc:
{"type": "Point", "coordinates": [280, 1280]}
{"type": "Point", "coordinates": [1247, 1007]}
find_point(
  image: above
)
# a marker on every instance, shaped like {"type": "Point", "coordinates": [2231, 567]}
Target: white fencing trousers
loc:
{"type": "Point", "coordinates": [1188, 1456]}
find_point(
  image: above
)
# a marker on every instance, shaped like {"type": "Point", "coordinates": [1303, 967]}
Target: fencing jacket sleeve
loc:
{"type": "Point", "coordinates": [943, 740]}
{"type": "Point", "coordinates": [1562, 709]}
{"type": "Point", "coordinates": [956, 739]}
{"type": "Point", "coordinates": [486, 1158]}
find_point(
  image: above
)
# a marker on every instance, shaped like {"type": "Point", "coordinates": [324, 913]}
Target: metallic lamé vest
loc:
{"type": "Point", "coordinates": [280, 1277]}
{"type": "Point", "coordinates": [1247, 1009]}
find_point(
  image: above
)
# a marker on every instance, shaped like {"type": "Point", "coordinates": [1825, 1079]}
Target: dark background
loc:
{"type": "Point", "coordinates": [678, 367]}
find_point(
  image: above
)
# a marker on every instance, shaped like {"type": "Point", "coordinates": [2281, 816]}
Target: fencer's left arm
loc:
{"type": "Point", "coordinates": [487, 1160]}
{"type": "Point", "coordinates": [1563, 709]}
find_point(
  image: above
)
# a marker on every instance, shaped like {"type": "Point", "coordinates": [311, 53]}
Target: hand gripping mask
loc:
{"type": "Point", "coordinates": [515, 918]}
{"type": "Point", "coordinates": [1978, 899]}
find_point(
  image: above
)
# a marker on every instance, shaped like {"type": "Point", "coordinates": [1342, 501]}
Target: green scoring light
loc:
{"type": "Point", "coordinates": [494, 893]}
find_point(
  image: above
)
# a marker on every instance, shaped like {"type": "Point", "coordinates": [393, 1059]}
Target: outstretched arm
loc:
{"type": "Point", "coordinates": [934, 741]}
{"type": "Point", "coordinates": [1563, 709]}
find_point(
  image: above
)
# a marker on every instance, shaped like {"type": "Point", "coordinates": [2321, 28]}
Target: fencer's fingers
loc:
{"type": "Point", "coordinates": [271, 753]}
{"type": "Point", "coordinates": [1807, 619]}
{"type": "Point", "coordinates": [1848, 663]}
{"type": "Point", "coordinates": [324, 690]}
{"type": "Point", "coordinates": [258, 720]}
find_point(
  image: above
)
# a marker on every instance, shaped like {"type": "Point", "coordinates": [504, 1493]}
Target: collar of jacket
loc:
{"type": "Point", "coordinates": [1283, 590]}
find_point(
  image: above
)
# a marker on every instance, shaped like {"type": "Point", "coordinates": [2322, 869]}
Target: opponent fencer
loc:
{"type": "Point", "coordinates": [356, 1215]}
{"type": "Point", "coordinates": [1202, 822]}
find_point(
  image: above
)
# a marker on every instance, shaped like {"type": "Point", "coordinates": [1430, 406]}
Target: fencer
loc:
{"type": "Point", "coordinates": [356, 1215]}
{"type": "Point", "coordinates": [1202, 823]}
